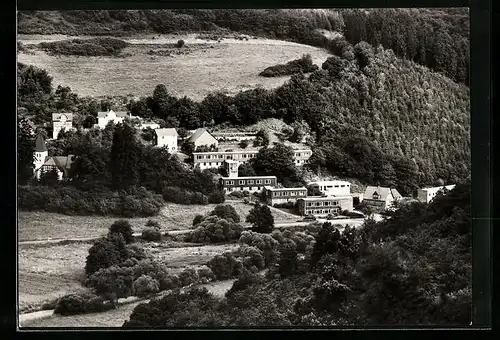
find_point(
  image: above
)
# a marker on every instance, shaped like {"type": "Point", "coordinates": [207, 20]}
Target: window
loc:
{"type": "Point", "coordinates": [230, 182]}
{"type": "Point", "coordinates": [301, 193]}
{"type": "Point", "coordinates": [309, 204]}
{"type": "Point", "coordinates": [258, 188]}
{"type": "Point", "coordinates": [335, 203]}
{"type": "Point", "coordinates": [198, 157]}
{"type": "Point", "coordinates": [242, 182]}
{"type": "Point", "coordinates": [327, 203]}
{"type": "Point", "coordinates": [208, 156]}
{"type": "Point", "coordinates": [267, 181]}
{"type": "Point", "coordinates": [204, 164]}
{"type": "Point", "coordinates": [342, 186]}
{"type": "Point", "coordinates": [277, 194]}
{"type": "Point", "coordinates": [210, 164]}
{"type": "Point", "coordinates": [336, 186]}
{"type": "Point", "coordinates": [259, 181]}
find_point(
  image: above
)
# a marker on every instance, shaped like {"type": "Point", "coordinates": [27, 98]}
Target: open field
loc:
{"type": "Point", "coordinates": [231, 65]}
{"type": "Point", "coordinates": [43, 225]}
{"type": "Point", "coordinates": [46, 273]}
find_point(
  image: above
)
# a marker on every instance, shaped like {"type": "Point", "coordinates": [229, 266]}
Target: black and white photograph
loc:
{"type": "Point", "coordinates": [244, 168]}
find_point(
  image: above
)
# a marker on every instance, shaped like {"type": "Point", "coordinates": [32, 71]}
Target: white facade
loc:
{"type": "Point", "coordinates": [40, 157]}
{"type": "Point", "coordinates": [302, 156]}
{"type": "Point", "coordinates": [231, 168]}
{"type": "Point", "coordinates": [61, 121]}
{"type": "Point", "coordinates": [426, 195]}
{"type": "Point", "coordinates": [333, 188]}
{"type": "Point", "coordinates": [168, 138]}
{"type": "Point", "coordinates": [103, 118]}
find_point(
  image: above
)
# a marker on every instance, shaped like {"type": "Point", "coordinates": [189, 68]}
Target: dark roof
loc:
{"type": "Point", "coordinates": [63, 163]}
{"type": "Point", "coordinates": [40, 144]}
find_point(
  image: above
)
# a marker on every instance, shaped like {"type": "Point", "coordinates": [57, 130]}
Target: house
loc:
{"type": "Point", "coordinates": [321, 206]}
{"type": "Point", "coordinates": [301, 156]}
{"type": "Point", "coordinates": [426, 195]}
{"type": "Point", "coordinates": [332, 188]}
{"type": "Point", "coordinates": [284, 195]}
{"type": "Point", "coordinates": [103, 118]}
{"type": "Point", "coordinates": [40, 155]}
{"type": "Point", "coordinates": [61, 121]}
{"type": "Point", "coordinates": [231, 167]}
{"type": "Point", "coordinates": [202, 137]}
{"type": "Point", "coordinates": [166, 137]}
{"type": "Point", "coordinates": [215, 159]}
{"type": "Point", "coordinates": [251, 184]}
{"type": "Point", "coordinates": [44, 163]}
{"type": "Point", "coordinates": [380, 198]}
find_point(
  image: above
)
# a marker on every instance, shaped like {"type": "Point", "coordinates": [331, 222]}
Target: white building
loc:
{"type": "Point", "coordinates": [103, 118]}
{"type": "Point", "coordinates": [426, 195]}
{"type": "Point", "coordinates": [201, 137]}
{"type": "Point", "coordinates": [380, 198]}
{"type": "Point", "coordinates": [61, 121]}
{"type": "Point", "coordinates": [251, 184]}
{"type": "Point", "coordinates": [301, 156]}
{"type": "Point", "coordinates": [332, 188]}
{"type": "Point", "coordinates": [231, 167]}
{"type": "Point", "coordinates": [151, 125]}
{"type": "Point", "coordinates": [166, 137]}
{"type": "Point", "coordinates": [41, 154]}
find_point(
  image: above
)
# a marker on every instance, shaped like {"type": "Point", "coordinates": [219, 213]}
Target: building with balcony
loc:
{"type": "Point", "coordinates": [251, 184]}
{"type": "Point", "coordinates": [284, 195]}
{"type": "Point", "coordinates": [321, 206]}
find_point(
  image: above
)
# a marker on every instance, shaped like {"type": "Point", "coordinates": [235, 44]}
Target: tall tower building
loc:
{"type": "Point", "coordinates": [41, 154]}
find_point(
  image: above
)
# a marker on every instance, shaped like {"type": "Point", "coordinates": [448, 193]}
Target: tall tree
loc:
{"type": "Point", "coordinates": [261, 218]}
{"type": "Point", "coordinates": [25, 151]}
{"type": "Point", "coordinates": [125, 157]}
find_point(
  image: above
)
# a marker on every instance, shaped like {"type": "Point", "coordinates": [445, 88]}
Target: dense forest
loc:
{"type": "Point", "coordinates": [413, 268]}
{"type": "Point", "coordinates": [437, 38]}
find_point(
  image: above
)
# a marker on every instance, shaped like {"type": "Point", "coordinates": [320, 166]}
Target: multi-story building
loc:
{"type": "Point", "coordinates": [426, 195]}
{"type": "Point", "coordinates": [166, 137]}
{"type": "Point", "coordinates": [323, 205]}
{"type": "Point", "coordinates": [215, 159]}
{"type": "Point", "coordinates": [301, 156]}
{"type": "Point", "coordinates": [103, 118]}
{"type": "Point", "coordinates": [61, 121]}
{"type": "Point", "coordinates": [251, 184]}
{"type": "Point", "coordinates": [234, 136]}
{"type": "Point", "coordinates": [284, 195]}
{"type": "Point", "coordinates": [231, 167]}
{"type": "Point", "coordinates": [332, 188]}
{"type": "Point", "coordinates": [201, 137]}
{"type": "Point", "coordinates": [380, 198]}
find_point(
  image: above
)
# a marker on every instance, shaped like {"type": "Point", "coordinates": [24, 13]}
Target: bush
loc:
{"type": "Point", "coordinates": [181, 196]}
{"type": "Point", "coordinates": [151, 234]}
{"type": "Point", "coordinates": [286, 205]}
{"type": "Point", "coordinates": [113, 280]}
{"type": "Point", "coordinates": [288, 261]}
{"type": "Point", "coordinates": [72, 304]}
{"type": "Point", "coordinates": [98, 304]}
{"type": "Point", "coordinates": [124, 228]}
{"type": "Point", "coordinates": [263, 242]}
{"type": "Point", "coordinates": [302, 65]}
{"type": "Point", "coordinates": [105, 253]}
{"type": "Point", "coordinates": [226, 211]}
{"type": "Point", "coordinates": [180, 43]}
{"type": "Point", "coordinates": [188, 276]}
{"type": "Point", "coordinates": [261, 218]}
{"type": "Point", "coordinates": [197, 219]}
{"type": "Point", "coordinates": [243, 144]}
{"type": "Point", "coordinates": [215, 229]}
{"type": "Point", "coordinates": [243, 282]}
{"type": "Point", "coordinates": [145, 285]}
{"type": "Point", "coordinates": [225, 266]}
{"type": "Point", "coordinates": [206, 274]}
{"type": "Point", "coordinates": [252, 257]}
{"type": "Point", "coordinates": [237, 194]}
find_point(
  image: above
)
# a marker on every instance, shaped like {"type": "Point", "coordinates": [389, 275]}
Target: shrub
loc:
{"type": "Point", "coordinates": [98, 304]}
{"type": "Point", "coordinates": [246, 193]}
{"type": "Point", "coordinates": [153, 224]}
{"type": "Point", "coordinates": [72, 304]}
{"type": "Point", "coordinates": [145, 285]}
{"type": "Point", "coordinates": [304, 65]}
{"type": "Point", "coordinates": [181, 196]}
{"type": "Point", "coordinates": [151, 234]}
{"type": "Point", "coordinates": [205, 274]}
{"type": "Point", "coordinates": [188, 276]}
{"type": "Point", "coordinates": [225, 266]}
{"type": "Point", "coordinates": [288, 261]}
{"type": "Point", "coordinates": [116, 280]}
{"type": "Point", "coordinates": [180, 43]}
{"type": "Point", "coordinates": [243, 282]}
{"type": "Point", "coordinates": [265, 243]}
{"type": "Point", "coordinates": [237, 194]}
{"type": "Point", "coordinates": [261, 218]}
{"type": "Point", "coordinates": [215, 229]}
{"type": "Point", "coordinates": [169, 281]}
{"type": "Point", "coordinates": [105, 253]}
{"type": "Point", "coordinates": [243, 144]}
{"type": "Point", "coordinates": [124, 228]}
{"type": "Point", "coordinates": [226, 211]}
{"type": "Point", "coordinates": [197, 219]}
{"type": "Point", "coordinates": [252, 257]}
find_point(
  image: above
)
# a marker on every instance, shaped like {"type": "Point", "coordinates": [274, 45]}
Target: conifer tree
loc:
{"type": "Point", "coordinates": [125, 157]}
{"type": "Point", "coordinates": [25, 151]}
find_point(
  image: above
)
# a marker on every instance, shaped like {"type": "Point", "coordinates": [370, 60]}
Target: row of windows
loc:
{"type": "Point", "coordinates": [305, 154]}
{"type": "Point", "coordinates": [320, 204]}
{"type": "Point", "coordinates": [289, 193]}
{"type": "Point", "coordinates": [242, 189]}
{"type": "Point", "coordinates": [248, 181]}
{"type": "Point", "coordinates": [321, 211]}
{"type": "Point", "coordinates": [226, 156]}
{"type": "Point", "coordinates": [336, 186]}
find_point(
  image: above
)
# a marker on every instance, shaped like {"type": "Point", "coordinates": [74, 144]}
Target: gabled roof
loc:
{"type": "Point", "coordinates": [198, 133]}
{"type": "Point", "coordinates": [40, 144]}
{"type": "Point", "coordinates": [383, 192]}
{"type": "Point", "coordinates": [118, 114]}
{"type": "Point", "coordinates": [63, 163]}
{"type": "Point", "coordinates": [166, 132]}
{"type": "Point", "coordinates": [57, 116]}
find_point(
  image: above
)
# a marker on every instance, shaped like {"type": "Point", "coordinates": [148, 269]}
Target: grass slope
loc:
{"type": "Point", "coordinates": [231, 65]}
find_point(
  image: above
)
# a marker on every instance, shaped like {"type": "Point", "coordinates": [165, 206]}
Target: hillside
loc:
{"type": "Point", "coordinates": [437, 38]}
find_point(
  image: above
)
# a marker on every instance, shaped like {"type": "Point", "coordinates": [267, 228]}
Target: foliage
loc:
{"type": "Point", "coordinates": [180, 43]}
{"type": "Point", "coordinates": [124, 228]}
{"type": "Point", "coordinates": [261, 218]}
{"type": "Point", "coordinates": [276, 161]}
{"type": "Point", "coordinates": [215, 229]}
{"type": "Point", "coordinates": [73, 304]}
{"type": "Point", "coordinates": [146, 285]}
{"type": "Point", "coordinates": [197, 219]}
{"type": "Point", "coordinates": [188, 277]}
{"type": "Point", "coordinates": [85, 47]}
{"type": "Point", "coordinates": [301, 65]}
{"type": "Point", "coordinates": [225, 266]}
{"type": "Point", "coordinates": [251, 257]}
{"type": "Point", "coordinates": [225, 211]}
{"type": "Point", "coordinates": [243, 144]}
{"type": "Point", "coordinates": [265, 243]}
{"type": "Point", "coordinates": [261, 138]}
{"type": "Point", "coordinates": [105, 253]}
{"type": "Point", "coordinates": [125, 157]}
{"type": "Point", "coordinates": [25, 151]}
{"type": "Point", "coordinates": [151, 234]}
{"type": "Point", "coordinates": [112, 280]}
{"type": "Point", "coordinates": [153, 224]}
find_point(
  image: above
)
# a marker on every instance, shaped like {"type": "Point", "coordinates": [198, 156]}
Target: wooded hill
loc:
{"type": "Point", "coordinates": [437, 38]}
